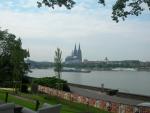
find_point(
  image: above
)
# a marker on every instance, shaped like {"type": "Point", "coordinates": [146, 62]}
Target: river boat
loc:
{"type": "Point", "coordinates": [123, 69]}
{"type": "Point", "coordinates": [76, 70]}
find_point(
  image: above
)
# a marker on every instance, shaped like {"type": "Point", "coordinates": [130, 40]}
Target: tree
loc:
{"type": "Point", "coordinates": [121, 9]}
{"type": "Point", "coordinates": [58, 62]}
{"type": "Point", "coordinates": [12, 64]}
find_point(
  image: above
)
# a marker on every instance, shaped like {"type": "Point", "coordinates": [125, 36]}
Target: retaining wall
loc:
{"type": "Point", "coordinates": [102, 104]}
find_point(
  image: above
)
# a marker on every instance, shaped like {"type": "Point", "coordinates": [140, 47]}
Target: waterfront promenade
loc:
{"type": "Point", "coordinates": [103, 96]}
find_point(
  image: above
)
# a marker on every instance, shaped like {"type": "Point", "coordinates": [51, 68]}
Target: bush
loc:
{"type": "Point", "coordinates": [53, 82]}
{"type": "Point", "coordinates": [24, 88]}
{"type": "Point", "coordinates": [6, 84]}
{"type": "Point", "coordinates": [34, 88]}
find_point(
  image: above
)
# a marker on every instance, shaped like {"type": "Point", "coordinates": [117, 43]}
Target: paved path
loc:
{"type": "Point", "coordinates": [99, 95]}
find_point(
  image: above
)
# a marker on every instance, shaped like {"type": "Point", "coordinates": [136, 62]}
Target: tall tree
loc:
{"type": "Point", "coordinates": [121, 8]}
{"type": "Point", "coordinates": [58, 62]}
{"type": "Point", "coordinates": [12, 57]}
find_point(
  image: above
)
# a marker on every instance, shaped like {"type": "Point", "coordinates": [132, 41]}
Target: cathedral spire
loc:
{"type": "Point", "coordinates": [79, 47]}
{"type": "Point", "coordinates": [75, 51]}
{"type": "Point", "coordinates": [79, 53]}
{"type": "Point", "coordinates": [75, 47]}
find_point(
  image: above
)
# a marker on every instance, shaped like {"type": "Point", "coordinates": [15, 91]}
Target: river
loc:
{"type": "Point", "coordinates": [136, 82]}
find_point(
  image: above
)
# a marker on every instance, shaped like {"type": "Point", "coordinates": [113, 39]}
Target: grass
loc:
{"type": "Point", "coordinates": [28, 100]}
{"type": "Point", "coordinates": [16, 100]}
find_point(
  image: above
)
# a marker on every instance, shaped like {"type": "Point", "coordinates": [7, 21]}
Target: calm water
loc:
{"type": "Point", "coordinates": [125, 81]}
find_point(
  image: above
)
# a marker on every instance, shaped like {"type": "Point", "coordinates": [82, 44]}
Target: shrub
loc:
{"type": "Point", "coordinates": [25, 83]}
{"type": "Point", "coordinates": [53, 82]}
{"type": "Point", "coordinates": [24, 88]}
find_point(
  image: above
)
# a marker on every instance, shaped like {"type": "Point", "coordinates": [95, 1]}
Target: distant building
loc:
{"type": "Point", "coordinates": [76, 56]}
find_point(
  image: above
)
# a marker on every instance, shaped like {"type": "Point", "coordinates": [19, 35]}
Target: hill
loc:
{"type": "Point", "coordinates": [39, 65]}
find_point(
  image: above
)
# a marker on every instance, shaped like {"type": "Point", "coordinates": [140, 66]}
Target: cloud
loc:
{"type": "Point", "coordinates": [37, 25]}
{"type": "Point", "coordinates": [46, 30]}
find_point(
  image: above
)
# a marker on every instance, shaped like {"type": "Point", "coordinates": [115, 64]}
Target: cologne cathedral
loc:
{"type": "Point", "coordinates": [76, 56]}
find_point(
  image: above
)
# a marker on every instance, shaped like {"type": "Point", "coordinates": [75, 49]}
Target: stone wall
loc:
{"type": "Point", "coordinates": [101, 104]}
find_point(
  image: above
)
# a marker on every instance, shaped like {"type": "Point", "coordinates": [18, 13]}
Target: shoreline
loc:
{"type": "Point", "coordinates": [108, 69]}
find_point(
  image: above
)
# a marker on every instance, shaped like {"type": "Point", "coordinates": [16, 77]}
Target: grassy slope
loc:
{"type": "Point", "coordinates": [28, 100]}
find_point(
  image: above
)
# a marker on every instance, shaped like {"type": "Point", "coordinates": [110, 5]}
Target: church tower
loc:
{"type": "Point", "coordinates": [80, 53]}
{"type": "Point", "coordinates": [75, 57]}
{"type": "Point", "coordinates": [75, 51]}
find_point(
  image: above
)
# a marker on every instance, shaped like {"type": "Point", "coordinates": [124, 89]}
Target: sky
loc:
{"type": "Point", "coordinates": [42, 30]}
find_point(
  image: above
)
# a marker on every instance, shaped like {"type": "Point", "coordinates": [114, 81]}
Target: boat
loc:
{"type": "Point", "coordinates": [76, 70]}
{"type": "Point", "coordinates": [123, 69]}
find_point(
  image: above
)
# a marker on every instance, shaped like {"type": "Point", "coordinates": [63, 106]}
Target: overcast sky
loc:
{"type": "Point", "coordinates": [42, 30]}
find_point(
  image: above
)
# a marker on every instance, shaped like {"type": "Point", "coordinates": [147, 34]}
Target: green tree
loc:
{"type": "Point", "coordinates": [121, 9]}
{"type": "Point", "coordinates": [12, 58]}
{"type": "Point", "coordinates": [58, 62]}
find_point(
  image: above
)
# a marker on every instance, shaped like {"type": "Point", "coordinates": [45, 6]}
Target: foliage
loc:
{"type": "Point", "coordinates": [25, 83]}
{"type": "Point", "coordinates": [58, 62]}
{"type": "Point", "coordinates": [12, 55]}
{"type": "Point", "coordinates": [26, 80]}
{"type": "Point", "coordinates": [53, 83]}
{"type": "Point", "coordinates": [121, 9]}
{"type": "Point", "coordinates": [52, 3]}
{"type": "Point", "coordinates": [24, 88]}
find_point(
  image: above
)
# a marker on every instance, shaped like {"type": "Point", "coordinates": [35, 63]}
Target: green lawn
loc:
{"type": "Point", "coordinates": [28, 100]}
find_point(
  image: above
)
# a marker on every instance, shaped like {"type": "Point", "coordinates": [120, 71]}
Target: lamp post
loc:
{"type": "Point", "coordinates": [37, 105]}
{"type": "Point", "coordinates": [102, 87]}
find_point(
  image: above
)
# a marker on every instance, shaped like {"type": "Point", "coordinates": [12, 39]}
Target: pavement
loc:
{"type": "Point", "coordinates": [103, 96]}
